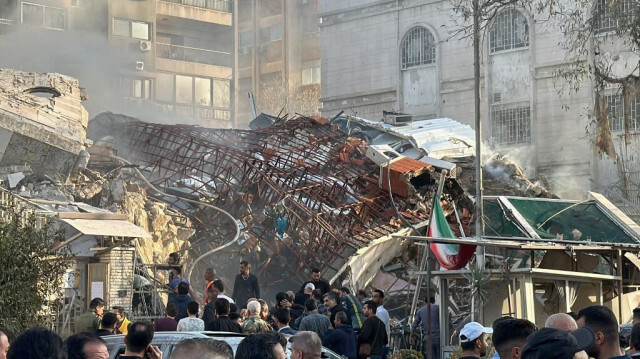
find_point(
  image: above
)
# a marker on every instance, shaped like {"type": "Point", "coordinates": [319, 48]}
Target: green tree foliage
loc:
{"type": "Point", "coordinates": [30, 272]}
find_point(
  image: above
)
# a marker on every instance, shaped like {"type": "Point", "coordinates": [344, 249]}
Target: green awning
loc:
{"type": "Point", "coordinates": [550, 217]}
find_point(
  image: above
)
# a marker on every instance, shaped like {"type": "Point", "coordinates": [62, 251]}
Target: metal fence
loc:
{"type": "Point", "coordinates": [192, 54]}
{"type": "Point", "coordinates": [218, 5]}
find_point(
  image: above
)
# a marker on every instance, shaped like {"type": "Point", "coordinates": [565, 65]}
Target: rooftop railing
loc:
{"type": "Point", "coordinates": [192, 54]}
{"type": "Point", "coordinates": [218, 5]}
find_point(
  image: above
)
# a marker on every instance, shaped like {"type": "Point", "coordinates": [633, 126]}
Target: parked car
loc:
{"type": "Point", "coordinates": [167, 341]}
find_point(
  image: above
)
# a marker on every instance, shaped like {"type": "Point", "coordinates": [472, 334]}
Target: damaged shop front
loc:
{"type": "Point", "coordinates": [542, 256]}
{"type": "Point", "coordinates": [104, 246]}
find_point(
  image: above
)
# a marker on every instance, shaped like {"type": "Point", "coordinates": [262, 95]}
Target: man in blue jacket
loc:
{"type": "Point", "coordinates": [354, 308]}
{"type": "Point", "coordinates": [181, 300]}
{"type": "Point", "coordinates": [342, 340]}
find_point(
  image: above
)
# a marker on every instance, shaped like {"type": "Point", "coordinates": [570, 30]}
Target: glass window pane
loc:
{"type": "Point", "coordinates": [316, 75]}
{"type": "Point", "coordinates": [222, 93]}
{"type": "Point", "coordinates": [147, 89]}
{"type": "Point", "coordinates": [32, 14]}
{"type": "Point", "coordinates": [306, 76]}
{"type": "Point", "coordinates": [184, 89]}
{"type": "Point", "coordinates": [276, 32]}
{"type": "Point", "coordinates": [140, 30]}
{"type": "Point", "coordinates": [245, 38]}
{"type": "Point", "coordinates": [137, 88]}
{"type": "Point", "coordinates": [54, 18]}
{"type": "Point", "coordinates": [203, 91]}
{"type": "Point", "coordinates": [164, 87]}
{"type": "Point", "coordinates": [120, 27]}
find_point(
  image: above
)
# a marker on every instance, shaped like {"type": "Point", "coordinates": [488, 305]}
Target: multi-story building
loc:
{"type": "Point", "coordinates": [278, 56]}
{"type": "Point", "coordinates": [402, 56]}
{"type": "Point", "coordinates": [172, 55]}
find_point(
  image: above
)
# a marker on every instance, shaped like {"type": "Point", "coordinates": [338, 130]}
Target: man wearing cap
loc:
{"type": "Point", "coordinates": [604, 325]}
{"type": "Point", "coordinates": [510, 336]}
{"type": "Point", "coordinates": [473, 340]}
{"type": "Point", "coordinates": [307, 293]}
{"type": "Point", "coordinates": [550, 343]}
{"type": "Point", "coordinates": [305, 345]}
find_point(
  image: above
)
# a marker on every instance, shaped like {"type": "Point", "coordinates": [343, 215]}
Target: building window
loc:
{"type": "Point", "coordinates": [509, 31]}
{"type": "Point", "coordinates": [310, 72]}
{"type": "Point", "coordinates": [132, 29]}
{"type": "Point", "coordinates": [418, 48]}
{"type": "Point", "coordinates": [511, 125]}
{"type": "Point", "coordinates": [615, 113]}
{"type": "Point", "coordinates": [608, 15]}
{"type": "Point", "coordinates": [136, 88]}
{"type": "Point", "coordinates": [193, 90]}
{"type": "Point", "coordinates": [245, 39]}
{"type": "Point", "coordinates": [43, 16]}
{"type": "Point", "coordinates": [275, 32]}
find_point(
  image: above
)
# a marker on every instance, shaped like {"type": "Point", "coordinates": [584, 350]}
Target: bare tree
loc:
{"type": "Point", "coordinates": [276, 97]}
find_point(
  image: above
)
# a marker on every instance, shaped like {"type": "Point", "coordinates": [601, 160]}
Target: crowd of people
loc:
{"type": "Point", "coordinates": [351, 325]}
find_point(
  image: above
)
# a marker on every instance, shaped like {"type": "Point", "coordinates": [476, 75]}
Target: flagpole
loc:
{"type": "Point", "coordinates": [425, 263]}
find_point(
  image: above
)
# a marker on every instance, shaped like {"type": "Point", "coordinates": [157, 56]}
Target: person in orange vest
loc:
{"type": "Point", "coordinates": [210, 277]}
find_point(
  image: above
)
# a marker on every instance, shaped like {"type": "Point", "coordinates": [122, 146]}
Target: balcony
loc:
{"type": "Point", "coordinates": [217, 5]}
{"type": "Point", "coordinates": [192, 54]}
{"type": "Point", "coordinates": [5, 26]}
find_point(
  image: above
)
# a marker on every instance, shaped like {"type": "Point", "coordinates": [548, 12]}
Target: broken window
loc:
{"type": "Point", "coordinates": [511, 125]}
{"type": "Point", "coordinates": [608, 15]}
{"type": "Point", "coordinates": [136, 88]}
{"type": "Point", "coordinates": [133, 29]}
{"type": "Point", "coordinates": [509, 31]}
{"type": "Point", "coordinates": [311, 72]}
{"type": "Point", "coordinates": [43, 16]}
{"type": "Point", "coordinates": [615, 113]}
{"type": "Point", "coordinates": [418, 48]}
{"type": "Point", "coordinates": [221, 93]}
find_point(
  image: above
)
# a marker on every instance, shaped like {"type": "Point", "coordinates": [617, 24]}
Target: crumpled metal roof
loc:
{"type": "Point", "coordinates": [437, 137]}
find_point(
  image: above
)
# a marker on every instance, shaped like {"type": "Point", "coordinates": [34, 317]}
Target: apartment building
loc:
{"type": "Point", "coordinates": [278, 57]}
{"type": "Point", "coordinates": [175, 57]}
{"type": "Point", "coordinates": [401, 56]}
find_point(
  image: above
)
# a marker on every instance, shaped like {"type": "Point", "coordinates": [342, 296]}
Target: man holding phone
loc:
{"type": "Point", "coordinates": [138, 342]}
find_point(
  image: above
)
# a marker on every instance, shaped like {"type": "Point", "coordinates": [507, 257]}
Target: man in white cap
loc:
{"type": "Point", "coordinates": [473, 340]}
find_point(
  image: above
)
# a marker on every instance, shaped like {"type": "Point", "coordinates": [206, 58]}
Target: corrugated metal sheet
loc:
{"type": "Point", "coordinates": [114, 228]}
{"type": "Point", "coordinates": [438, 137]}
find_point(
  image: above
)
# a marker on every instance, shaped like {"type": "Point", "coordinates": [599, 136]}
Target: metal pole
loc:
{"type": "Point", "coordinates": [478, 128]}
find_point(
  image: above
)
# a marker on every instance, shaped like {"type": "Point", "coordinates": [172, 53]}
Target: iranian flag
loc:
{"type": "Point", "coordinates": [450, 256]}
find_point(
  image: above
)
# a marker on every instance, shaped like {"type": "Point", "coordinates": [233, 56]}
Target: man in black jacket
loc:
{"type": "Point", "coordinates": [343, 339]}
{"type": "Point", "coordinates": [209, 312]}
{"type": "Point", "coordinates": [223, 323]}
{"type": "Point", "coordinates": [373, 334]}
{"type": "Point", "coordinates": [245, 286]}
{"type": "Point", "coordinates": [332, 303]}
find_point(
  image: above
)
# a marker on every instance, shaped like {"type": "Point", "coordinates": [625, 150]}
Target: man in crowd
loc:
{"type": "Point", "coordinates": [634, 341]}
{"type": "Point", "coordinates": [173, 260]}
{"type": "Point", "coordinates": [473, 340]}
{"type": "Point", "coordinates": [281, 318]}
{"type": "Point", "coordinates": [317, 282]}
{"type": "Point", "coordinates": [6, 337]}
{"type": "Point", "coordinates": [138, 342]}
{"type": "Point", "coordinates": [86, 346]}
{"type": "Point", "coordinates": [90, 320]}
{"type": "Point", "coordinates": [219, 287]}
{"type": "Point", "coordinates": [261, 346]}
{"type": "Point", "coordinates": [353, 306]}
{"type": "Point", "coordinates": [342, 340]}
{"type": "Point", "coordinates": [108, 325]}
{"type": "Point", "coordinates": [191, 323]}
{"type": "Point", "coordinates": [245, 286]}
{"type": "Point", "coordinates": [314, 321]}
{"type": "Point", "coordinates": [373, 335]}
{"type": "Point", "coordinates": [181, 300]}
{"type": "Point", "coordinates": [636, 316]}
{"type": "Point", "coordinates": [307, 293]}
{"type": "Point", "coordinates": [381, 312]}
{"type": "Point", "coordinates": [254, 324]}
{"type": "Point", "coordinates": [223, 323]}
{"type": "Point", "coordinates": [168, 323]}
{"type": "Point", "coordinates": [510, 336]}
{"type": "Point", "coordinates": [177, 279]}
{"type": "Point", "coordinates": [362, 295]}
{"type": "Point", "coordinates": [37, 343]}
{"type": "Point", "coordinates": [551, 343]}
{"type": "Point", "coordinates": [202, 348]}
{"type": "Point", "coordinates": [123, 322]}
{"type": "Point", "coordinates": [428, 316]}
{"type": "Point", "coordinates": [333, 306]}
{"type": "Point", "coordinates": [565, 322]}
{"type": "Point", "coordinates": [604, 325]}
{"type": "Point", "coordinates": [305, 345]}
{"type": "Point", "coordinates": [209, 312]}
{"type": "Point", "coordinates": [209, 277]}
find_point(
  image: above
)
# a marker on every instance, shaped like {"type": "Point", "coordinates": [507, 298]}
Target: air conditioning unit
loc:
{"type": "Point", "coordinates": [139, 65]}
{"type": "Point", "coordinates": [398, 119]}
{"type": "Point", "coordinates": [145, 46]}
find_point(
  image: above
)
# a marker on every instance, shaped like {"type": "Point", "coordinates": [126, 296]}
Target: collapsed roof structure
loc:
{"type": "Point", "coordinates": [304, 194]}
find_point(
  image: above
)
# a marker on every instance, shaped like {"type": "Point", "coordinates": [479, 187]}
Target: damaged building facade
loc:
{"type": "Point", "coordinates": [420, 70]}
